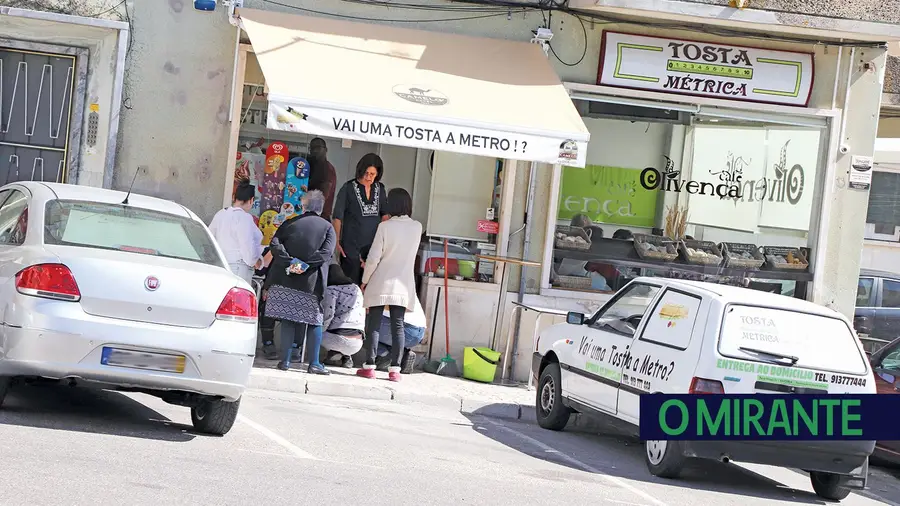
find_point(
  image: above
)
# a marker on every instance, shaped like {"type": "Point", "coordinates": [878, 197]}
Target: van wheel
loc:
{"type": "Point", "coordinates": [551, 412]}
{"type": "Point", "coordinates": [5, 382]}
{"type": "Point", "coordinates": [215, 416]}
{"type": "Point", "coordinates": [827, 486]}
{"type": "Point", "coordinates": [664, 458]}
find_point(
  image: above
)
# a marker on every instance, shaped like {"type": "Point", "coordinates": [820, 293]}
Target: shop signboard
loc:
{"type": "Point", "coordinates": [705, 69]}
{"type": "Point", "coordinates": [438, 134]}
{"type": "Point", "coordinates": [607, 195]}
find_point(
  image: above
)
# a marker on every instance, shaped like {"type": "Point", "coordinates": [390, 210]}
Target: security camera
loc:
{"type": "Point", "coordinates": [542, 35]}
{"type": "Point", "coordinates": [844, 149]}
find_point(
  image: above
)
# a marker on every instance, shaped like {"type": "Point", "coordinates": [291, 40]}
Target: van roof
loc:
{"type": "Point", "coordinates": [739, 295]}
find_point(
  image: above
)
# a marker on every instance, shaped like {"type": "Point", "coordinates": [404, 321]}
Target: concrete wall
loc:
{"type": "Point", "coordinates": [174, 124]}
{"type": "Point", "coordinates": [882, 11]}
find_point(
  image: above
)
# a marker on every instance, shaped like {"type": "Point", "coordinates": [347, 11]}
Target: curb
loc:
{"type": "Point", "coordinates": [517, 412]}
{"type": "Point", "coordinates": [466, 406]}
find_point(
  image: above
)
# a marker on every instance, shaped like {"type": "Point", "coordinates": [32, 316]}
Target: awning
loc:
{"type": "Point", "coordinates": [430, 90]}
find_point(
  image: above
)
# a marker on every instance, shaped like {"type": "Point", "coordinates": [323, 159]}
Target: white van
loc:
{"type": "Point", "coordinates": [672, 336]}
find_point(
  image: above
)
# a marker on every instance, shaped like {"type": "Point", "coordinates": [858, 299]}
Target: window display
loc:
{"type": "Point", "coordinates": [737, 212]}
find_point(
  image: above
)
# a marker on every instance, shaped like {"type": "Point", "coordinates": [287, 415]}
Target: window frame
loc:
{"type": "Point", "coordinates": [889, 349]}
{"type": "Point", "coordinates": [872, 291]}
{"type": "Point", "coordinates": [619, 296]}
{"type": "Point", "coordinates": [220, 261]}
{"type": "Point", "coordinates": [883, 290]}
{"type": "Point", "coordinates": [656, 305]}
{"type": "Point", "coordinates": [4, 199]}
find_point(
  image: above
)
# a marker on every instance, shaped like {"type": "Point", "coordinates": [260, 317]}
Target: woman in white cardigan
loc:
{"type": "Point", "coordinates": [389, 279]}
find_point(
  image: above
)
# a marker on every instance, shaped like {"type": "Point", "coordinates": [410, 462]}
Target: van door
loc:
{"type": "Point", "coordinates": [591, 376]}
{"type": "Point", "coordinates": [661, 357]}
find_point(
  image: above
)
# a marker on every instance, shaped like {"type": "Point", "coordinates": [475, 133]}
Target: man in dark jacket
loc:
{"type": "Point", "coordinates": [322, 175]}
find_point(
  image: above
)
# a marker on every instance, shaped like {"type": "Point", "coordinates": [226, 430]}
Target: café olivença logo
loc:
{"type": "Point", "coordinates": [786, 186]}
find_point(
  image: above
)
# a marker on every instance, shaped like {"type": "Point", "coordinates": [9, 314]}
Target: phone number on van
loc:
{"type": "Point", "coordinates": [848, 380]}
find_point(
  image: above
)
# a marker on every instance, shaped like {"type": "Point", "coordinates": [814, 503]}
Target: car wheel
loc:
{"type": "Point", "coordinates": [664, 458]}
{"type": "Point", "coordinates": [215, 416]}
{"type": "Point", "coordinates": [5, 383]}
{"type": "Point", "coordinates": [827, 486]}
{"type": "Point", "coordinates": [551, 412]}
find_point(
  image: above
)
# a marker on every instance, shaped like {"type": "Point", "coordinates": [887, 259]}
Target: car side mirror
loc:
{"type": "Point", "coordinates": [573, 318]}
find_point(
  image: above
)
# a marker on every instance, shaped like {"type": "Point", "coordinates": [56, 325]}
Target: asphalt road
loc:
{"type": "Point", "coordinates": [63, 446]}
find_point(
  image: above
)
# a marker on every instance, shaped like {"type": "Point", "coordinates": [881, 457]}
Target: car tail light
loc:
{"type": "Point", "coordinates": [238, 305]}
{"type": "Point", "coordinates": [50, 281]}
{"type": "Point", "coordinates": [706, 386]}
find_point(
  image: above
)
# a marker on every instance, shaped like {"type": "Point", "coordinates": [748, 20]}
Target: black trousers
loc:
{"type": "Point", "coordinates": [352, 268]}
{"type": "Point", "coordinates": [373, 325]}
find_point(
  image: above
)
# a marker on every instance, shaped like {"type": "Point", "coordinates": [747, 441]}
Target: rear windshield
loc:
{"type": "Point", "coordinates": [126, 228]}
{"type": "Point", "coordinates": [817, 342]}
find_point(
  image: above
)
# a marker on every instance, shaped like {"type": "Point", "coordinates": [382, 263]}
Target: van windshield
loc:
{"type": "Point", "coordinates": [790, 338]}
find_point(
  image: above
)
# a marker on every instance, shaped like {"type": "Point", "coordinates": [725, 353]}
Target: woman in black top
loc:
{"type": "Point", "coordinates": [361, 204]}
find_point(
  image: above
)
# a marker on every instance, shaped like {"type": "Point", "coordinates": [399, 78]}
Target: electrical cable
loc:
{"type": "Point", "coordinates": [709, 29]}
{"type": "Point", "coordinates": [360, 18]}
{"type": "Point", "coordinates": [583, 53]}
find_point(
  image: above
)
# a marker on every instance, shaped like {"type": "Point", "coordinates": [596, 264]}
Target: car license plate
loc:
{"type": "Point", "coordinates": [142, 360]}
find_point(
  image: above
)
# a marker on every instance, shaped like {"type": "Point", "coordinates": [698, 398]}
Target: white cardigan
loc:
{"type": "Point", "coordinates": [389, 276]}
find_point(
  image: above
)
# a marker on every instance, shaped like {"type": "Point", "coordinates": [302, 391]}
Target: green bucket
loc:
{"type": "Point", "coordinates": [480, 364]}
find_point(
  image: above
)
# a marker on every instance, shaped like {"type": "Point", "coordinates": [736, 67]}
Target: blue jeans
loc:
{"type": "Point", "coordinates": [295, 332]}
{"type": "Point", "coordinates": [412, 336]}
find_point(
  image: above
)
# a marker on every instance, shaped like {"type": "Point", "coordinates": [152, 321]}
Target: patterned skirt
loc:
{"type": "Point", "coordinates": [283, 303]}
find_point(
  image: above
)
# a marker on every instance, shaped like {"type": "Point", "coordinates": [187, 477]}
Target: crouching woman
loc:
{"type": "Point", "coordinates": [344, 318]}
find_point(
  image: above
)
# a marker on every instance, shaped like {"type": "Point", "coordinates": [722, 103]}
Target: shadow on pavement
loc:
{"type": "Point", "coordinates": [614, 454]}
{"type": "Point", "coordinates": [88, 410]}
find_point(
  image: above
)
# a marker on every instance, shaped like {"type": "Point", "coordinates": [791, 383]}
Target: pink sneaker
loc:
{"type": "Point", "coordinates": [366, 371]}
{"type": "Point", "coordinates": [394, 374]}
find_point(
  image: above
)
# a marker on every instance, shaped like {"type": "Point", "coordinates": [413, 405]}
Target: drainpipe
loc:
{"type": "Point", "coordinates": [844, 147]}
{"type": "Point", "coordinates": [234, 76]}
{"type": "Point", "coordinates": [837, 75]}
{"type": "Point", "coordinates": [529, 205]}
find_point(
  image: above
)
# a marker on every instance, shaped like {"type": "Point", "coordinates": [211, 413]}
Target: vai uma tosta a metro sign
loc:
{"type": "Point", "coordinates": [705, 69]}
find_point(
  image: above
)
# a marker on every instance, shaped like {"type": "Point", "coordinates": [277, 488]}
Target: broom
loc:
{"type": "Point", "coordinates": [447, 367]}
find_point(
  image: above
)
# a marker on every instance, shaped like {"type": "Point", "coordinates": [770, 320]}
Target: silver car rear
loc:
{"type": "Point", "coordinates": [134, 296]}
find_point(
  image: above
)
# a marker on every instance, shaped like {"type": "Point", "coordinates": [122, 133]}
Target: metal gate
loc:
{"type": "Point", "coordinates": [36, 91]}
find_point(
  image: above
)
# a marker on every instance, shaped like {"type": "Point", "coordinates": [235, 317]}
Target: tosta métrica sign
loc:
{"type": "Point", "coordinates": [705, 69]}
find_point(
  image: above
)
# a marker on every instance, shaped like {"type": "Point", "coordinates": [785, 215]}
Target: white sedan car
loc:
{"type": "Point", "coordinates": [132, 294]}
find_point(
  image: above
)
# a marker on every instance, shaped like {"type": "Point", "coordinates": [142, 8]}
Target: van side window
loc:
{"type": "Point", "coordinates": [890, 293]}
{"type": "Point", "coordinates": [671, 322]}
{"type": "Point", "coordinates": [864, 292]}
{"type": "Point", "coordinates": [626, 310]}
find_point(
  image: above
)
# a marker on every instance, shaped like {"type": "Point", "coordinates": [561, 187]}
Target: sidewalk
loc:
{"type": "Point", "coordinates": [468, 397]}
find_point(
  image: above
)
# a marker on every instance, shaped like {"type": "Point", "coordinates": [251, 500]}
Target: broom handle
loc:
{"type": "Point", "coordinates": [446, 298]}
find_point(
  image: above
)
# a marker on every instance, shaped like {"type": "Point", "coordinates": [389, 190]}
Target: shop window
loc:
{"type": "Point", "coordinates": [864, 292]}
{"type": "Point", "coordinates": [717, 202]}
{"type": "Point", "coordinates": [890, 293]}
{"type": "Point", "coordinates": [464, 208]}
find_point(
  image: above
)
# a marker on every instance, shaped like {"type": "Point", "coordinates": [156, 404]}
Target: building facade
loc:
{"type": "Point", "coordinates": [195, 98]}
